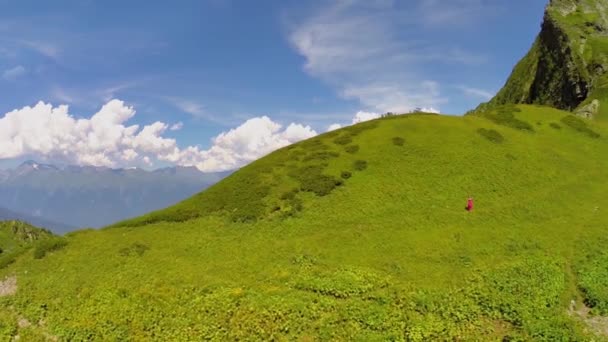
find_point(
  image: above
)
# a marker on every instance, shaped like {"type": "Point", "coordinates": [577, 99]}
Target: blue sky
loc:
{"type": "Point", "coordinates": [206, 67]}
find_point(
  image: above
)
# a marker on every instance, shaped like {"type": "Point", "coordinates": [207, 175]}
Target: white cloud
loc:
{"type": "Point", "coordinates": [251, 140]}
{"type": "Point", "coordinates": [334, 127]}
{"type": "Point", "coordinates": [362, 116]}
{"type": "Point", "coordinates": [370, 50]}
{"type": "Point", "coordinates": [105, 139]}
{"type": "Point", "coordinates": [14, 73]}
{"type": "Point", "coordinates": [477, 93]}
{"type": "Point", "coordinates": [176, 126]}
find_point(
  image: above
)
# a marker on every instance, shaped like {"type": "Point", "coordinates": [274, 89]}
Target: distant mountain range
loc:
{"type": "Point", "coordinates": [62, 197]}
{"type": "Point", "coordinates": [9, 215]}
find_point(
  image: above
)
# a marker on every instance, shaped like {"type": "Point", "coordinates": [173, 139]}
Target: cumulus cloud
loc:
{"type": "Point", "coordinates": [334, 127]}
{"type": "Point", "coordinates": [251, 140]}
{"type": "Point", "coordinates": [105, 139]}
{"type": "Point", "coordinates": [14, 73]}
{"type": "Point", "coordinates": [362, 116]}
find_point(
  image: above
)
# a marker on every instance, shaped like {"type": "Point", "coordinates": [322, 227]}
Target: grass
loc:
{"type": "Point", "coordinates": [389, 254]}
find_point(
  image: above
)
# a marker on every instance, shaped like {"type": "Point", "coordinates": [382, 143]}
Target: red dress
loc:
{"type": "Point", "coordinates": [470, 204]}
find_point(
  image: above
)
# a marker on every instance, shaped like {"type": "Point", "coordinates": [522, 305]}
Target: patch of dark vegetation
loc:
{"type": "Point", "coordinates": [321, 156]}
{"type": "Point", "coordinates": [346, 174]}
{"type": "Point", "coordinates": [579, 125]}
{"type": "Point", "coordinates": [8, 258]}
{"type": "Point", "coordinates": [361, 127]}
{"type": "Point", "coordinates": [538, 123]}
{"type": "Point", "coordinates": [313, 144]}
{"type": "Point", "coordinates": [295, 155]}
{"type": "Point", "coordinates": [49, 245]}
{"type": "Point", "coordinates": [304, 260]}
{"type": "Point", "coordinates": [555, 125]}
{"type": "Point", "coordinates": [491, 135]}
{"type": "Point", "coordinates": [312, 179]}
{"type": "Point", "coordinates": [352, 149]}
{"type": "Point", "coordinates": [504, 116]}
{"type": "Point", "coordinates": [343, 140]}
{"type": "Point", "coordinates": [344, 283]}
{"type": "Point", "coordinates": [398, 141]}
{"type": "Point", "coordinates": [292, 204]}
{"type": "Point", "coordinates": [360, 165]}
{"type": "Point", "coordinates": [510, 156]}
{"type": "Point", "coordinates": [136, 249]}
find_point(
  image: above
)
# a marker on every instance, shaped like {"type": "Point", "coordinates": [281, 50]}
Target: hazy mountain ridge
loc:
{"type": "Point", "coordinates": [89, 196]}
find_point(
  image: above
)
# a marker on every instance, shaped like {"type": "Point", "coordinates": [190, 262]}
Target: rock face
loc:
{"type": "Point", "coordinates": [567, 66]}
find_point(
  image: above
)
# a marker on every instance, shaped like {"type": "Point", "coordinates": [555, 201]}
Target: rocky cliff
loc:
{"type": "Point", "coordinates": [567, 66]}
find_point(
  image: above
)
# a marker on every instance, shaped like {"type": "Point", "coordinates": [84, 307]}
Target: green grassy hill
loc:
{"type": "Point", "coordinates": [358, 234]}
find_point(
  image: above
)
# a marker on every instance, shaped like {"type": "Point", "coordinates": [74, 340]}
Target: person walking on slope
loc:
{"type": "Point", "coordinates": [469, 206]}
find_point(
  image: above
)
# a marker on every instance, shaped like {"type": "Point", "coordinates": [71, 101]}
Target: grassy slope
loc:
{"type": "Point", "coordinates": [390, 254]}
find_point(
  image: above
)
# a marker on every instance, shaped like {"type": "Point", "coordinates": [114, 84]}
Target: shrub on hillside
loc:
{"type": "Point", "coordinates": [312, 179]}
{"type": "Point", "coordinates": [346, 174]}
{"type": "Point", "coordinates": [321, 155]}
{"type": "Point", "coordinates": [504, 116]}
{"type": "Point", "coordinates": [292, 204]}
{"type": "Point", "coordinates": [49, 245]}
{"type": "Point", "coordinates": [398, 141]}
{"type": "Point", "coordinates": [555, 125]}
{"type": "Point", "coordinates": [352, 149]}
{"type": "Point", "coordinates": [136, 249]}
{"type": "Point", "coordinates": [492, 135]}
{"type": "Point", "coordinates": [579, 125]}
{"type": "Point", "coordinates": [360, 165]}
{"type": "Point", "coordinates": [343, 140]}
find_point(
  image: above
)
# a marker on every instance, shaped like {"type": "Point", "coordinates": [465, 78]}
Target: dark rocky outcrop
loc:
{"type": "Point", "coordinates": [567, 66]}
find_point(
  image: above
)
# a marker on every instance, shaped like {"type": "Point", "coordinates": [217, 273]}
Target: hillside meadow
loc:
{"type": "Point", "coordinates": [358, 234]}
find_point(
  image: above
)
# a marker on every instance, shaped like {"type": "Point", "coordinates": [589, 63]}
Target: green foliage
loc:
{"type": "Point", "coordinates": [312, 179]}
{"type": "Point", "coordinates": [504, 115]}
{"type": "Point", "coordinates": [343, 283]}
{"type": "Point", "coordinates": [555, 125]}
{"type": "Point", "coordinates": [398, 141]}
{"type": "Point", "coordinates": [49, 245]}
{"type": "Point", "coordinates": [492, 135]}
{"type": "Point", "coordinates": [352, 149]}
{"type": "Point", "coordinates": [321, 156]}
{"type": "Point", "coordinates": [346, 174]}
{"type": "Point", "coordinates": [579, 125]}
{"type": "Point", "coordinates": [135, 249]}
{"type": "Point", "coordinates": [360, 165]}
{"type": "Point", "coordinates": [343, 140]}
{"type": "Point", "coordinates": [593, 281]}
{"type": "Point", "coordinates": [392, 256]}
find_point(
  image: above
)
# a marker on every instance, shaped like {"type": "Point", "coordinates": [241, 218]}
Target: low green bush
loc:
{"type": "Point", "coordinates": [346, 174]}
{"type": "Point", "coordinates": [579, 125]}
{"type": "Point", "coordinates": [504, 116]}
{"type": "Point", "coordinates": [360, 165]}
{"type": "Point", "coordinates": [491, 135]}
{"type": "Point", "coordinates": [555, 125]}
{"type": "Point", "coordinates": [321, 156]}
{"type": "Point", "coordinates": [343, 140]}
{"type": "Point", "coordinates": [312, 179]}
{"type": "Point", "coordinates": [352, 149]}
{"type": "Point", "coordinates": [136, 249]}
{"type": "Point", "coordinates": [398, 141]}
{"type": "Point", "coordinates": [48, 245]}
